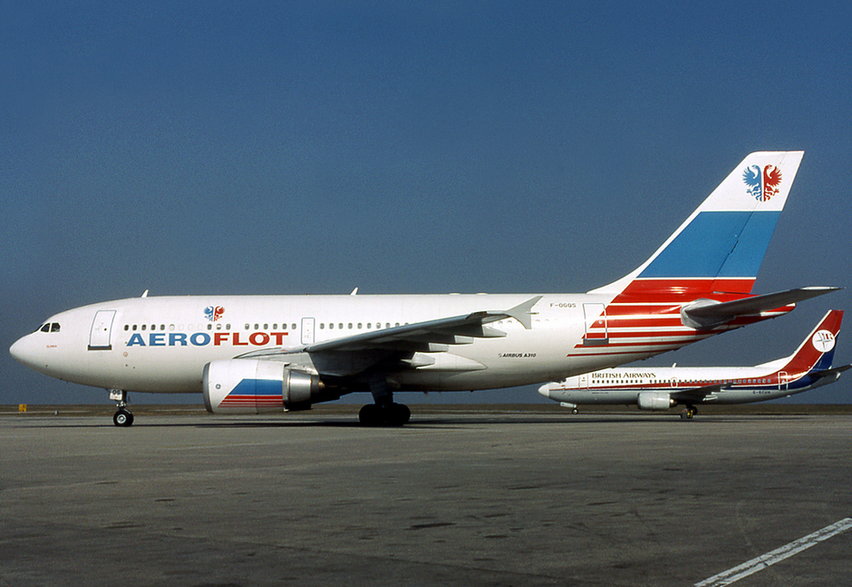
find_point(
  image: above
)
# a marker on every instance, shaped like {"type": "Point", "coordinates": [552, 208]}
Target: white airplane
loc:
{"type": "Point", "coordinates": [660, 388]}
{"type": "Point", "coordinates": [249, 354]}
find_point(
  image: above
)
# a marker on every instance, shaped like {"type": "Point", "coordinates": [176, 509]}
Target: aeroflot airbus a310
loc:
{"type": "Point", "coordinates": [660, 388]}
{"type": "Point", "coordinates": [265, 353]}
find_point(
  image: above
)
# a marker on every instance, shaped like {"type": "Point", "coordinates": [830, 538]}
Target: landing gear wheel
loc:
{"type": "Point", "coordinates": [688, 413]}
{"type": "Point", "coordinates": [387, 415]}
{"type": "Point", "coordinates": [122, 418]}
{"type": "Point", "coordinates": [399, 415]}
{"type": "Point", "coordinates": [369, 415]}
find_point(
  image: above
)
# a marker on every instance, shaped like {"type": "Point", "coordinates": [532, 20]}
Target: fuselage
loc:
{"type": "Point", "coordinates": [161, 344]}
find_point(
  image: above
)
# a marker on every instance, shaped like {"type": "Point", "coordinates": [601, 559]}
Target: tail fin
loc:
{"type": "Point", "coordinates": [720, 247]}
{"type": "Point", "coordinates": [817, 350]}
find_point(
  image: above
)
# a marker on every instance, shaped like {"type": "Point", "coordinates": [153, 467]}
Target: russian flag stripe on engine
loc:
{"type": "Point", "coordinates": [254, 392]}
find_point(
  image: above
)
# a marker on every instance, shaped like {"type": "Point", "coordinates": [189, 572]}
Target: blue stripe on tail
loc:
{"type": "Point", "coordinates": [717, 244]}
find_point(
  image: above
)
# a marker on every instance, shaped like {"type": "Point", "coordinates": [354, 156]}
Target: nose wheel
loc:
{"type": "Point", "coordinates": [122, 416]}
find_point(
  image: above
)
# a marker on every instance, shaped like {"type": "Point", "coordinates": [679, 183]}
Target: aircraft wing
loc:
{"type": "Point", "coordinates": [418, 336]}
{"type": "Point", "coordinates": [708, 313]}
{"type": "Point", "coordinates": [699, 394]}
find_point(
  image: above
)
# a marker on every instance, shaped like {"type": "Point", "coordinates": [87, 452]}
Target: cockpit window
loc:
{"type": "Point", "coordinates": [49, 327]}
{"type": "Point", "coordinates": [54, 327]}
{"type": "Point", "coordinates": [45, 327]}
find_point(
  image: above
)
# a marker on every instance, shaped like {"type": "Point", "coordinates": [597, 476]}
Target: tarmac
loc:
{"type": "Point", "coordinates": [500, 496]}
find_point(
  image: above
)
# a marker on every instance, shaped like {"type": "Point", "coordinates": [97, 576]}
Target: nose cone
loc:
{"type": "Point", "coordinates": [545, 390]}
{"type": "Point", "coordinates": [23, 351]}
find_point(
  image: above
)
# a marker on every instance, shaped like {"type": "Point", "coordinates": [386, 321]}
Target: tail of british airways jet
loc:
{"type": "Point", "coordinates": [814, 356]}
{"type": "Point", "coordinates": [699, 282]}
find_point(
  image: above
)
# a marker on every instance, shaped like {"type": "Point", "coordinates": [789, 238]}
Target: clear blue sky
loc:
{"type": "Point", "coordinates": [411, 147]}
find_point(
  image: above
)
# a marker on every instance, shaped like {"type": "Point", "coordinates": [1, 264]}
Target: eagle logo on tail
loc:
{"type": "Point", "coordinates": [762, 183]}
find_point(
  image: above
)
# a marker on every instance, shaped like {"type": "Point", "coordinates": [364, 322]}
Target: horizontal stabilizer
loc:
{"type": "Point", "coordinates": [834, 372]}
{"type": "Point", "coordinates": [708, 313]}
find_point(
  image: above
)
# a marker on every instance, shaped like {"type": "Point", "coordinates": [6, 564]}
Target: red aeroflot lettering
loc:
{"type": "Point", "coordinates": [261, 353]}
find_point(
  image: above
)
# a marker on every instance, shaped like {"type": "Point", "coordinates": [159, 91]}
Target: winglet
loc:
{"type": "Point", "coordinates": [522, 312]}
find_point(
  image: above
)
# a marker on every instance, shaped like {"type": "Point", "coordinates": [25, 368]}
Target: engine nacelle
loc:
{"type": "Point", "coordinates": [245, 386]}
{"type": "Point", "coordinates": [655, 400]}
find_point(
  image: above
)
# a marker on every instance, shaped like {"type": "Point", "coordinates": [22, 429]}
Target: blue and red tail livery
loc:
{"type": "Point", "coordinates": [714, 256]}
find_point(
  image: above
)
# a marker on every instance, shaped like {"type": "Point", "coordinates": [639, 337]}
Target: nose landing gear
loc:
{"type": "Point", "coordinates": [123, 416]}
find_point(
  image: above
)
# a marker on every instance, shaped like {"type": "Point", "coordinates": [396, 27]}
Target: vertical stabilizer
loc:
{"type": "Point", "coordinates": [720, 246]}
{"type": "Point", "coordinates": [817, 350]}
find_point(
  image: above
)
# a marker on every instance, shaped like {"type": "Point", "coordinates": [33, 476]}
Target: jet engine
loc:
{"type": "Point", "coordinates": [655, 400]}
{"type": "Point", "coordinates": [244, 386]}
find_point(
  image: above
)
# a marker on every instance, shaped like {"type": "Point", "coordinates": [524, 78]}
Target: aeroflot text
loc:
{"type": "Point", "coordinates": [205, 339]}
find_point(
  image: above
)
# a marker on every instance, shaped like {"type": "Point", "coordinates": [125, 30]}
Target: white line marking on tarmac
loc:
{"type": "Point", "coordinates": [770, 558]}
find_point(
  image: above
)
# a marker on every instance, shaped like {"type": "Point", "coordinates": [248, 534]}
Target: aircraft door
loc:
{"type": "Point", "coordinates": [100, 335]}
{"type": "Point", "coordinates": [308, 330]}
{"type": "Point", "coordinates": [596, 332]}
{"type": "Point", "coordinates": [584, 381]}
{"type": "Point", "coordinates": [782, 380]}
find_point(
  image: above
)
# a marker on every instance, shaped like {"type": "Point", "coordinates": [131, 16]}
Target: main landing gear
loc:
{"type": "Point", "coordinates": [123, 416]}
{"type": "Point", "coordinates": [384, 412]}
{"type": "Point", "coordinates": [688, 412]}
{"type": "Point", "coordinates": [392, 414]}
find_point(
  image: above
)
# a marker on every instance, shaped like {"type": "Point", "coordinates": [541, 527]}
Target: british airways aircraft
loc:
{"type": "Point", "coordinates": [250, 354]}
{"type": "Point", "coordinates": [660, 388]}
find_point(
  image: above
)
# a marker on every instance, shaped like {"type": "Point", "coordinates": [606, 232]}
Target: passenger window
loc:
{"type": "Point", "coordinates": [331, 325]}
{"type": "Point", "coordinates": [127, 326]}
{"type": "Point", "coordinates": [144, 326]}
